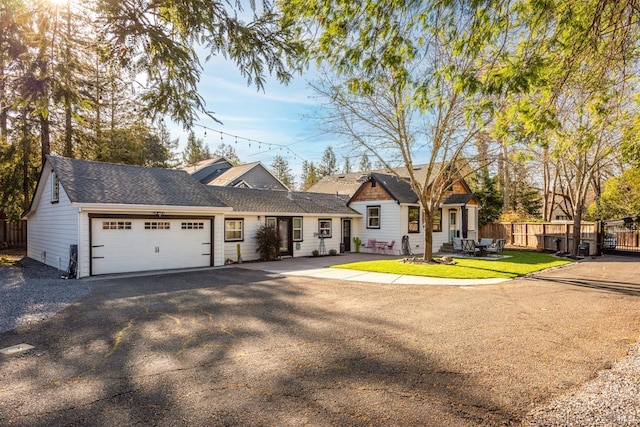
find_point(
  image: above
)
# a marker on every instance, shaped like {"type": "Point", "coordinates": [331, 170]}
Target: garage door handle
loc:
{"type": "Point", "coordinates": [208, 243]}
{"type": "Point", "coordinates": [97, 257]}
{"type": "Point", "coordinates": [97, 246]}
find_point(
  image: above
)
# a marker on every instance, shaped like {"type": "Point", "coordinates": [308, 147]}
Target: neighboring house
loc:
{"type": "Point", "coordinates": [391, 210]}
{"type": "Point", "coordinates": [125, 218]}
{"type": "Point", "coordinates": [220, 172]}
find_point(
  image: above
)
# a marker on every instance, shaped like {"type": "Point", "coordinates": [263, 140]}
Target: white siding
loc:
{"type": "Point", "coordinates": [52, 227]}
{"type": "Point", "coordinates": [306, 246]}
{"type": "Point", "coordinates": [311, 242]}
{"type": "Point", "coordinates": [248, 245]}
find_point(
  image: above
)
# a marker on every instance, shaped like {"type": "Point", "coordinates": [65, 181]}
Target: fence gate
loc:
{"type": "Point", "coordinates": [621, 236]}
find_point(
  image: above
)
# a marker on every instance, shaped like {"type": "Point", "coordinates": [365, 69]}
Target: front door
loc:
{"type": "Point", "coordinates": [286, 242]}
{"type": "Point", "coordinates": [453, 224]}
{"type": "Point", "coordinates": [346, 234]}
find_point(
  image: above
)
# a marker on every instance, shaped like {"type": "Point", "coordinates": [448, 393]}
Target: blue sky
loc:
{"type": "Point", "coordinates": [282, 115]}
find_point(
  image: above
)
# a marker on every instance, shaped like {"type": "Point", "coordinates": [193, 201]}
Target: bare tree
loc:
{"type": "Point", "coordinates": [388, 124]}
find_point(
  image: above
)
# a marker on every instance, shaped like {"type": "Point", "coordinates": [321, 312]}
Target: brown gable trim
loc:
{"type": "Point", "coordinates": [367, 192]}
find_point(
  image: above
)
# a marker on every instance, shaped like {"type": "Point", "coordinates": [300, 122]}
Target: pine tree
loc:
{"type": "Point", "coordinates": [195, 150]}
{"type": "Point", "coordinates": [328, 164]}
{"type": "Point", "coordinates": [228, 152]}
{"type": "Point", "coordinates": [281, 170]}
{"type": "Point", "coordinates": [309, 175]}
{"type": "Point", "coordinates": [365, 164]}
{"type": "Point", "coordinates": [347, 165]}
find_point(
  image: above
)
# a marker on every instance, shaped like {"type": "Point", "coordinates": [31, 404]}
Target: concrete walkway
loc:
{"type": "Point", "coordinates": [319, 267]}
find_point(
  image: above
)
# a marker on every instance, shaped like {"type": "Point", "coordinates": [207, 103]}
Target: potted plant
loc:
{"type": "Point", "coordinates": [358, 243]}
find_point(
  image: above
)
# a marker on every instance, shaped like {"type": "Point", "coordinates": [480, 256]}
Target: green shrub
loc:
{"type": "Point", "coordinates": [268, 243]}
{"type": "Point", "coordinates": [333, 252]}
{"type": "Point", "coordinates": [315, 252]}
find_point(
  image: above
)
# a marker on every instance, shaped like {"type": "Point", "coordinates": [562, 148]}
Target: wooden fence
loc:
{"type": "Point", "coordinates": [541, 235]}
{"type": "Point", "coordinates": [13, 233]}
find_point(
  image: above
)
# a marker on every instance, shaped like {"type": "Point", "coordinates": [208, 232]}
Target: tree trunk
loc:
{"type": "Point", "coordinates": [577, 222]}
{"type": "Point", "coordinates": [506, 185]}
{"type": "Point", "coordinates": [428, 234]}
{"type": "Point", "coordinates": [68, 140]}
{"type": "Point", "coordinates": [4, 105]}
{"type": "Point", "coordinates": [26, 184]}
{"type": "Point", "coordinates": [45, 141]}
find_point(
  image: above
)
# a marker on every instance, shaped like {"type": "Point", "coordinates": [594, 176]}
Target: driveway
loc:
{"type": "Point", "coordinates": [245, 347]}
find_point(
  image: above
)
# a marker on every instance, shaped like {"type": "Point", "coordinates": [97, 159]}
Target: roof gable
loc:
{"type": "Point", "coordinates": [207, 170]}
{"type": "Point", "coordinates": [237, 174]}
{"type": "Point", "coordinates": [108, 183]}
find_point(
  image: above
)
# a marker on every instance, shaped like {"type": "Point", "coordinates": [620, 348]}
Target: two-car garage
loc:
{"type": "Point", "coordinates": [129, 243]}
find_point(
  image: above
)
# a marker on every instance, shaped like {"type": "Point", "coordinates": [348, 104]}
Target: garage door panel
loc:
{"type": "Point", "coordinates": [126, 245]}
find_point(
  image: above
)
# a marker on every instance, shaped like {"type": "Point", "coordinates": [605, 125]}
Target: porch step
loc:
{"type": "Point", "coordinates": [446, 248]}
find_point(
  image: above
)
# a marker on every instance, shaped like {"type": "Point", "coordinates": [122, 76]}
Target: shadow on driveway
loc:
{"type": "Point", "coordinates": [241, 347]}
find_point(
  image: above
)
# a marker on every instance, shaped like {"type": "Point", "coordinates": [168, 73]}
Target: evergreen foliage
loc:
{"type": "Point", "coordinates": [268, 243]}
{"type": "Point", "coordinates": [228, 152]}
{"type": "Point", "coordinates": [195, 150]}
{"type": "Point", "coordinates": [280, 169]}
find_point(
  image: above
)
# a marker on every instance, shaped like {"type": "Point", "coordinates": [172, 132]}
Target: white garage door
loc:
{"type": "Point", "coordinates": [120, 245]}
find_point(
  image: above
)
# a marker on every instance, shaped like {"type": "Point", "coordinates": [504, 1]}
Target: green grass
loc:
{"type": "Point", "coordinates": [518, 264]}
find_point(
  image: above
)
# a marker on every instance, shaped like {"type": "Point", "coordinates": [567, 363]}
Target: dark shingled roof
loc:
{"type": "Point", "coordinates": [458, 199]}
{"type": "Point", "coordinates": [399, 189]}
{"type": "Point", "coordinates": [273, 201]}
{"type": "Point", "coordinates": [96, 182]}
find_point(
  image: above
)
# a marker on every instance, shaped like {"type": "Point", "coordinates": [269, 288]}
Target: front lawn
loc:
{"type": "Point", "coordinates": [518, 264]}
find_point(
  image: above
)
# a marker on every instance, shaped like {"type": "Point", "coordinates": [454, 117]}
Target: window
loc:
{"type": "Point", "coordinates": [193, 225]}
{"type": "Point", "coordinates": [297, 229]}
{"type": "Point", "coordinates": [324, 227]}
{"type": "Point", "coordinates": [373, 216]}
{"type": "Point", "coordinates": [233, 230]}
{"type": "Point", "coordinates": [157, 225]}
{"type": "Point", "coordinates": [55, 188]}
{"type": "Point", "coordinates": [437, 220]}
{"type": "Point", "coordinates": [271, 222]}
{"type": "Point", "coordinates": [414, 219]}
{"type": "Point", "coordinates": [116, 225]}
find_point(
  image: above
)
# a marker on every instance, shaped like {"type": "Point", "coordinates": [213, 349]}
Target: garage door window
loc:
{"type": "Point", "coordinates": [233, 230]}
{"type": "Point", "coordinates": [116, 225]}
{"type": "Point", "coordinates": [193, 225]}
{"type": "Point", "coordinates": [157, 225]}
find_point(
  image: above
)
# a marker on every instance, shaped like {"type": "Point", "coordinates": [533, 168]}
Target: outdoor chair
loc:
{"type": "Point", "coordinates": [457, 245]}
{"type": "Point", "coordinates": [498, 248]}
{"type": "Point", "coordinates": [390, 246]}
{"type": "Point", "coordinates": [371, 245]}
{"type": "Point", "coordinates": [485, 241]}
{"type": "Point", "coordinates": [469, 247]}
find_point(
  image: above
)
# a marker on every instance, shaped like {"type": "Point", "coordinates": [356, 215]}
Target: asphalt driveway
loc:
{"type": "Point", "coordinates": [246, 347]}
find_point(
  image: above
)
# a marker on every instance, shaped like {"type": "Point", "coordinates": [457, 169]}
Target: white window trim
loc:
{"type": "Point", "coordinates": [294, 228]}
{"type": "Point", "coordinates": [369, 217]}
{"type": "Point", "coordinates": [330, 228]}
{"type": "Point", "coordinates": [55, 188]}
{"type": "Point", "coordinates": [237, 220]}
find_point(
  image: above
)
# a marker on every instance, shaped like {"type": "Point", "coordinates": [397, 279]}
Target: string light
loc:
{"type": "Point", "coordinates": [249, 141]}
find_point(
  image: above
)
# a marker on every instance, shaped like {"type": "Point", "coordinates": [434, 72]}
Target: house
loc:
{"type": "Point", "coordinates": [220, 172]}
{"type": "Point", "coordinates": [306, 221]}
{"type": "Point", "coordinates": [122, 218]}
{"type": "Point", "coordinates": [391, 209]}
